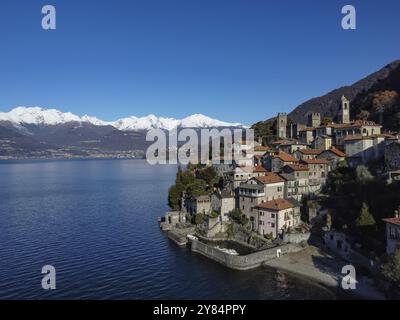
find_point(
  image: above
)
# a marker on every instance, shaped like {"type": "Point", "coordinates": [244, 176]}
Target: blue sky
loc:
{"type": "Point", "coordinates": [235, 60]}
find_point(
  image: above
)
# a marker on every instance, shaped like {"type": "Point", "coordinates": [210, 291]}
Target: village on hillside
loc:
{"type": "Point", "coordinates": [334, 185]}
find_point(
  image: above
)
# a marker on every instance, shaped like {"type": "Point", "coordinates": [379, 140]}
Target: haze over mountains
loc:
{"type": "Point", "coordinates": [38, 132]}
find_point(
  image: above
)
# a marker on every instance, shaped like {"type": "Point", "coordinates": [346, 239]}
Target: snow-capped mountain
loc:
{"type": "Point", "coordinates": [40, 116]}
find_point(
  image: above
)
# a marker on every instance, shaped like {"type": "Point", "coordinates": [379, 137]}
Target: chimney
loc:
{"type": "Point", "coordinates": [396, 213]}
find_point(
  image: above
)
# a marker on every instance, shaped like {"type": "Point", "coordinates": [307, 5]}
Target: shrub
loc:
{"type": "Point", "coordinates": [214, 214]}
{"type": "Point", "coordinates": [200, 218]}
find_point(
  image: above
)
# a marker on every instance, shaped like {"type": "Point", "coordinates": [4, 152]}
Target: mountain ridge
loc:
{"type": "Point", "coordinates": [20, 116]}
{"type": "Point", "coordinates": [385, 79]}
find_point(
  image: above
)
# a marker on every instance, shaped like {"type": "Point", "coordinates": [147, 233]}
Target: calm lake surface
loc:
{"type": "Point", "coordinates": [95, 221]}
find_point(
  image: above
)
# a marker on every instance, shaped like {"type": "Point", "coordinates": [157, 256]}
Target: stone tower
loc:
{"type": "Point", "coordinates": [281, 124]}
{"type": "Point", "coordinates": [314, 119]}
{"type": "Point", "coordinates": [345, 111]}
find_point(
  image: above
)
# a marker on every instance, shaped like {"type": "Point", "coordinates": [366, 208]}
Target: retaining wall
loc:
{"type": "Point", "coordinates": [244, 262]}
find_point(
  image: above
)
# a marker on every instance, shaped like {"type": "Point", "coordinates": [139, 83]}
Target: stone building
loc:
{"type": "Point", "coordinates": [392, 156]}
{"type": "Point", "coordinates": [333, 155]}
{"type": "Point", "coordinates": [276, 162]}
{"type": "Point", "coordinates": [392, 233]}
{"type": "Point", "coordinates": [324, 130]}
{"type": "Point", "coordinates": [306, 135]}
{"type": "Point", "coordinates": [242, 174]}
{"type": "Point", "coordinates": [307, 153]}
{"type": "Point", "coordinates": [200, 204]}
{"type": "Point", "coordinates": [261, 150]}
{"type": "Point", "coordinates": [354, 129]}
{"type": "Point", "coordinates": [258, 190]}
{"type": "Point", "coordinates": [318, 170]}
{"type": "Point", "coordinates": [291, 146]}
{"type": "Point", "coordinates": [296, 181]}
{"type": "Point", "coordinates": [344, 114]}
{"type": "Point", "coordinates": [276, 216]}
{"type": "Point", "coordinates": [361, 149]}
{"type": "Point", "coordinates": [314, 119]}
{"type": "Point", "coordinates": [323, 142]}
{"type": "Point", "coordinates": [222, 202]}
{"type": "Point", "coordinates": [281, 125]}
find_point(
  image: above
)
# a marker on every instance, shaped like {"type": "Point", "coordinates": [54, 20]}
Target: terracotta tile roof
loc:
{"type": "Point", "coordinates": [259, 169]}
{"type": "Point", "coordinates": [247, 169]}
{"type": "Point", "coordinates": [306, 129]}
{"type": "Point", "coordinates": [276, 205]}
{"type": "Point", "coordinates": [270, 177]}
{"type": "Point", "coordinates": [297, 167]}
{"type": "Point", "coordinates": [392, 221]}
{"type": "Point", "coordinates": [262, 148]}
{"type": "Point", "coordinates": [278, 142]}
{"type": "Point", "coordinates": [360, 137]}
{"type": "Point", "coordinates": [286, 157]}
{"type": "Point", "coordinates": [337, 152]}
{"type": "Point", "coordinates": [315, 161]}
{"type": "Point", "coordinates": [357, 137]}
{"type": "Point", "coordinates": [284, 141]}
{"type": "Point", "coordinates": [311, 151]}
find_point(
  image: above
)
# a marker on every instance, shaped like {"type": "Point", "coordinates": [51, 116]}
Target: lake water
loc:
{"type": "Point", "coordinates": [95, 221]}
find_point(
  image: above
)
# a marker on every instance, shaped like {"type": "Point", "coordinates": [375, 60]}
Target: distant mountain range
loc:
{"type": "Point", "coordinates": [22, 116]}
{"type": "Point", "coordinates": [37, 132]}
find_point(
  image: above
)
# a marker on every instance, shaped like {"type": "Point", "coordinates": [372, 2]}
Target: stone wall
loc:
{"type": "Point", "coordinates": [178, 238]}
{"type": "Point", "coordinates": [296, 237]}
{"type": "Point", "coordinates": [242, 262]}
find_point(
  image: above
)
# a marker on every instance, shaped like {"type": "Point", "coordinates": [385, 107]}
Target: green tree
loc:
{"type": "Point", "coordinates": [365, 218]}
{"type": "Point", "coordinates": [174, 197]}
{"type": "Point", "coordinates": [265, 130]}
{"type": "Point", "coordinates": [236, 214]}
{"type": "Point", "coordinates": [327, 120]}
{"type": "Point", "coordinates": [363, 175]}
{"type": "Point", "coordinates": [215, 214]}
{"type": "Point", "coordinates": [391, 269]}
{"type": "Point", "coordinates": [197, 188]}
{"type": "Point", "coordinates": [200, 218]}
{"type": "Point", "coordinates": [208, 175]}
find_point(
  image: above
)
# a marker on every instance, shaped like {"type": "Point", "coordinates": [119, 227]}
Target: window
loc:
{"type": "Point", "coordinates": [273, 215]}
{"type": "Point", "coordinates": [273, 225]}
